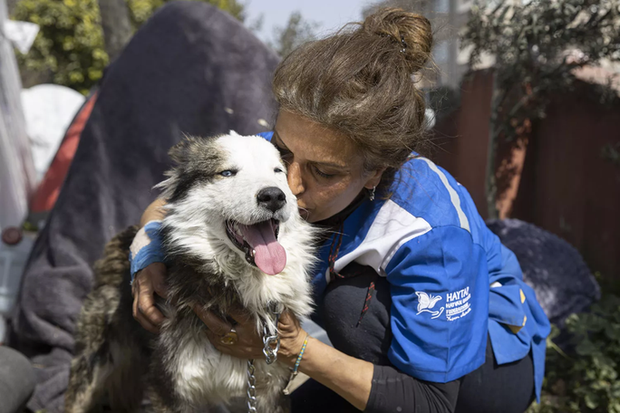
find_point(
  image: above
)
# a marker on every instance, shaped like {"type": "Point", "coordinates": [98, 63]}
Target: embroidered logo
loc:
{"type": "Point", "coordinates": [426, 302]}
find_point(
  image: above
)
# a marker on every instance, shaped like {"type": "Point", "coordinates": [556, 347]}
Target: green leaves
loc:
{"type": "Point", "coordinates": [68, 36]}
{"type": "Point", "coordinates": [69, 47]}
{"type": "Point", "coordinates": [585, 380]}
{"type": "Point", "coordinates": [297, 31]}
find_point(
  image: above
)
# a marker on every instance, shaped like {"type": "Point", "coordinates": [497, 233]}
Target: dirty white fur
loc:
{"type": "Point", "coordinates": [205, 376]}
{"type": "Point", "coordinates": [197, 223]}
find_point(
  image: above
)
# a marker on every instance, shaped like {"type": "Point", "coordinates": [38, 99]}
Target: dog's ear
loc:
{"type": "Point", "coordinates": [180, 152]}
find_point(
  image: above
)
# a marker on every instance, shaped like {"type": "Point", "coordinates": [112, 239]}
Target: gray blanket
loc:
{"type": "Point", "coordinates": [191, 69]}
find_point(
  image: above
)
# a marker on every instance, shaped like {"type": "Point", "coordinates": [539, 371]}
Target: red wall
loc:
{"type": "Point", "coordinates": [566, 187]}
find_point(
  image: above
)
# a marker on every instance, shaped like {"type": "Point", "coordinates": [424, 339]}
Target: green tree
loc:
{"type": "Point", "coordinates": [116, 26]}
{"type": "Point", "coordinates": [537, 47]}
{"type": "Point", "coordinates": [295, 33]}
{"type": "Point", "coordinates": [69, 49]}
{"type": "Point", "coordinates": [141, 10]}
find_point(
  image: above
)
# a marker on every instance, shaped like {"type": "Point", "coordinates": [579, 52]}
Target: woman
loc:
{"type": "Point", "coordinates": [426, 309]}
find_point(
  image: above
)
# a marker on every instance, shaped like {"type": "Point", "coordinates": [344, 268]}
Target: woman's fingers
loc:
{"type": "Point", "coordinates": [148, 282]}
{"type": "Point", "coordinates": [247, 343]}
{"type": "Point", "coordinates": [214, 323]}
{"type": "Point", "coordinates": [146, 304]}
{"type": "Point", "coordinates": [240, 349]}
{"type": "Point", "coordinates": [292, 337]}
{"type": "Point", "coordinates": [144, 322]}
{"type": "Point", "coordinates": [288, 323]}
{"type": "Point", "coordinates": [241, 317]}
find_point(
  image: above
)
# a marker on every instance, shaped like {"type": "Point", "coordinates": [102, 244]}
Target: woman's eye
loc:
{"type": "Point", "coordinates": [228, 172]}
{"type": "Point", "coordinates": [283, 152]}
{"type": "Point", "coordinates": [323, 174]}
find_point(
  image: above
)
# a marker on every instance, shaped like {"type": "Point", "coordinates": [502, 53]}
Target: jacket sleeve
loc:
{"type": "Point", "coordinates": [440, 293]}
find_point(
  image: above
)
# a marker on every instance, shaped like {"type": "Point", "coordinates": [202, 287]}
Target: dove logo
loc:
{"type": "Point", "coordinates": [426, 302]}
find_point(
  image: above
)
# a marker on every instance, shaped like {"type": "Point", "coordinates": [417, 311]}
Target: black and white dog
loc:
{"type": "Point", "coordinates": [234, 240]}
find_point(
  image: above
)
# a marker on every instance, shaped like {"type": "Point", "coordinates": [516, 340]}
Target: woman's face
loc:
{"type": "Point", "coordinates": [325, 169]}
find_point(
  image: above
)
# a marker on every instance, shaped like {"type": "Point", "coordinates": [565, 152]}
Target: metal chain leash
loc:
{"type": "Point", "coordinates": [270, 350]}
{"type": "Point", "coordinates": [271, 342]}
{"type": "Point", "coordinates": [251, 388]}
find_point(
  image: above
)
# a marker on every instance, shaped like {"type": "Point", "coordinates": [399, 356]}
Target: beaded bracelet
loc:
{"type": "Point", "coordinates": [288, 389]}
{"type": "Point", "coordinates": [301, 354]}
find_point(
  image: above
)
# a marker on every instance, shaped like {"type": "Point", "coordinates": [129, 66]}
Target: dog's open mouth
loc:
{"type": "Point", "coordinates": [260, 244]}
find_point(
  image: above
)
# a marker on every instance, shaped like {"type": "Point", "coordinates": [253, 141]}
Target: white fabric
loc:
{"type": "Point", "coordinates": [392, 228]}
{"type": "Point", "coordinates": [17, 175]}
{"type": "Point", "coordinates": [49, 110]}
{"type": "Point", "coordinates": [22, 34]}
{"type": "Point", "coordinates": [140, 241]}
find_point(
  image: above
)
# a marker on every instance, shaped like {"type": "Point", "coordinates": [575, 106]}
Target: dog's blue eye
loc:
{"type": "Point", "coordinates": [227, 172]}
{"type": "Point", "coordinates": [277, 170]}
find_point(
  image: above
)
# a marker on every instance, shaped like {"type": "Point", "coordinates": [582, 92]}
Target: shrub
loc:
{"type": "Point", "coordinates": [586, 379]}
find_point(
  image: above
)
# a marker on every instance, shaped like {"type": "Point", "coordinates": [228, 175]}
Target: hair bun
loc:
{"type": "Point", "coordinates": [411, 34]}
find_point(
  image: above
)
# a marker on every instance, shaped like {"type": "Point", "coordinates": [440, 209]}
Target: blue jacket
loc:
{"type": "Point", "coordinates": [452, 281]}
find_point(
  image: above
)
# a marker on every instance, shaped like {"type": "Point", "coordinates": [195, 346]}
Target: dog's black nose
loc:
{"type": "Point", "coordinates": [271, 198]}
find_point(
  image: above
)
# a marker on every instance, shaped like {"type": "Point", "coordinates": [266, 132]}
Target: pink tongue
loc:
{"type": "Point", "coordinates": [270, 256]}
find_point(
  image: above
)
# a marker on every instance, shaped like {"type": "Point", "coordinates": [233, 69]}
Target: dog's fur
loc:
{"type": "Point", "coordinates": [179, 369]}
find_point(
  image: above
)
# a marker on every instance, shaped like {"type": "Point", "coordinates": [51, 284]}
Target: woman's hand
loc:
{"type": "Point", "coordinates": [249, 343]}
{"type": "Point", "coordinates": [148, 282]}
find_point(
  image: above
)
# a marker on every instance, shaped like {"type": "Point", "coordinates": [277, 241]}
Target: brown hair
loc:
{"type": "Point", "coordinates": [360, 83]}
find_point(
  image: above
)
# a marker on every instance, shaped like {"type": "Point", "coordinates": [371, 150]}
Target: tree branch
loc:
{"type": "Point", "coordinates": [116, 26]}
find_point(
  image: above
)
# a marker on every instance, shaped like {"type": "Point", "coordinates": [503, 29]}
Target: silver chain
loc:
{"type": "Point", "coordinates": [270, 350]}
{"type": "Point", "coordinates": [271, 342]}
{"type": "Point", "coordinates": [251, 387]}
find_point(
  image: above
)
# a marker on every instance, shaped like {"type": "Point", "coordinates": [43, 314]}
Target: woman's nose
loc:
{"type": "Point", "coordinates": [295, 181]}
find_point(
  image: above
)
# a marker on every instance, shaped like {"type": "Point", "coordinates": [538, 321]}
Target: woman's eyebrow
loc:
{"type": "Point", "coordinates": [276, 140]}
{"type": "Point", "coordinates": [331, 165]}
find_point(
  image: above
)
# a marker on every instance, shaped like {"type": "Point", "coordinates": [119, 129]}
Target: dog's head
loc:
{"type": "Point", "coordinates": [230, 192]}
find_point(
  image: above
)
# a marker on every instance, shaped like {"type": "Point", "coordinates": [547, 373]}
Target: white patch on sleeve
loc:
{"type": "Point", "coordinates": [393, 227]}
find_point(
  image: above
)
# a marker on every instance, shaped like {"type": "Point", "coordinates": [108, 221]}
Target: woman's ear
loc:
{"type": "Point", "coordinates": [374, 178]}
